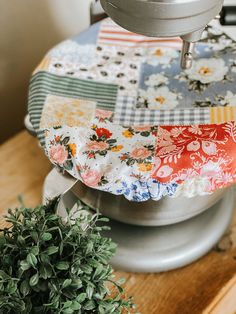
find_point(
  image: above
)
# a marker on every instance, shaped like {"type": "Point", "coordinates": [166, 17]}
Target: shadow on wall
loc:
{"type": "Point", "coordinates": [27, 30]}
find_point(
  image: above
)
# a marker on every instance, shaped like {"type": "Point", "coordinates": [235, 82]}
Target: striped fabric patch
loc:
{"type": "Point", "coordinates": [222, 114]}
{"type": "Point", "coordinates": [43, 84]}
{"type": "Point", "coordinates": [127, 115]}
{"type": "Point", "coordinates": [112, 34]}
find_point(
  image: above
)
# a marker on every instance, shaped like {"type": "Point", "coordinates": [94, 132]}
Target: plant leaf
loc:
{"type": "Point", "coordinates": [62, 265]}
{"type": "Point", "coordinates": [25, 288]}
{"type": "Point", "coordinates": [66, 283]}
{"type": "Point", "coordinates": [68, 311]}
{"type": "Point", "coordinates": [31, 260]}
{"type": "Point", "coordinates": [90, 305]}
{"type": "Point", "coordinates": [24, 265]}
{"type": "Point", "coordinates": [34, 280]}
{"type": "Point", "coordinates": [20, 240]}
{"type": "Point", "coordinates": [89, 291]}
{"type": "Point", "coordinates": [81, 297]}
{"type": "Point", "coordinates": [45, 271]}
{"type": "Point", "coordinates": [75, 306]}
{"type": "Point", "coordinates": [11, 287]}
{"type": "Point", "coordinates": [52, 250]}
{"type": "Point", "coordinates": [47, 236]}
{"type": "Point", "coordinates": [52, 217]}
{"type": "Point", "coordinates": [34, 250]}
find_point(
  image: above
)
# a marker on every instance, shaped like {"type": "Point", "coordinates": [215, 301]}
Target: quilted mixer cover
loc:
{"type": "Point", "coordinates": [114, 109]}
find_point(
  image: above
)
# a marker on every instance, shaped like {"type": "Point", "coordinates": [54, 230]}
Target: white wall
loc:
{"type": "Point", "coordinates": [28, 28]}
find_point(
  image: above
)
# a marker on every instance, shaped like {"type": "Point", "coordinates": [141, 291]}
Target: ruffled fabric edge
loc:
{"type": "Point", "coordinates": [118, 179]}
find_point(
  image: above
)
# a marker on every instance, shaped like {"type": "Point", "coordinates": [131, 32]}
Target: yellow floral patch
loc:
{"type": "Point", "coordinates": [145, 167]}
{"type": "Point", "coordinates": [127, 134]}
{"type": "Point", "coordinates": [117, 148]}
{"type": "Point", "coordinates": [67, 111]}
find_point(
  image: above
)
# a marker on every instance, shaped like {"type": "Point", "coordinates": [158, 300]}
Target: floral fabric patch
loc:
{"type": "Point", "coordinates": [66, 111]}
{"type": "Point", "coordinates": [110, 158]}
{"type": "Point", "coordinates": [201, 154]}
{"type": "Point", "coordinates": [209, 83]}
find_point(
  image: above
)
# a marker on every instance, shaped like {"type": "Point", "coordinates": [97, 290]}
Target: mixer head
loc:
{"type": "Point", "coordinates": [165, 18]}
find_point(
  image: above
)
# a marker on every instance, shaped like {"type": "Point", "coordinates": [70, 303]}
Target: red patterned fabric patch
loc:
{"type": "Point", "coordinates": [206, 151]}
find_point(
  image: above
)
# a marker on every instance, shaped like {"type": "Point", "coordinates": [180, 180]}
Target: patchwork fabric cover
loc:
{"type": "Point", "coordinates": [115, 110]}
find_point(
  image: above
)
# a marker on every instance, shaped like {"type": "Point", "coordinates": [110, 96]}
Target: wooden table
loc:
{"type": "Point", "coordinates": [207, 286]}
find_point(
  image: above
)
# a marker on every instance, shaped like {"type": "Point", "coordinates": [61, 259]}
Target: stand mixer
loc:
{"type": "Point", "coordinates": [165, 18]}
{"type": "Point", "coordinates": [155, 236]}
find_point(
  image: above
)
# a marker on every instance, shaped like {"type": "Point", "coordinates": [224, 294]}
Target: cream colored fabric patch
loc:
{"type": "Point", "coordinates": [66, 111]}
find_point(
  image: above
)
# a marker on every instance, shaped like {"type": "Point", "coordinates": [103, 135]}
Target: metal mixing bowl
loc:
{"type": "Point", "coordinates": [150, 213]}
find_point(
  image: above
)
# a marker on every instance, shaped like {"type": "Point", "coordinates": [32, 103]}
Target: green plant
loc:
{"type": "Point", "coordinates": [49, 266]}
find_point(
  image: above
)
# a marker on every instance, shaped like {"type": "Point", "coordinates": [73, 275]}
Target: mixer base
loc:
{"type": "Point", "coordinates": [158, 249]}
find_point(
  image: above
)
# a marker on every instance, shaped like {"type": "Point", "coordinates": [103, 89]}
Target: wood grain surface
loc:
{"type": "Point", "coordinates": [207, 286]}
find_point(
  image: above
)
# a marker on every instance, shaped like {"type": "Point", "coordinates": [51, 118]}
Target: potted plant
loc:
{"type": "Point", "coordinates": [48, 265]}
